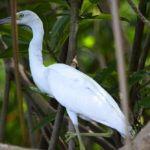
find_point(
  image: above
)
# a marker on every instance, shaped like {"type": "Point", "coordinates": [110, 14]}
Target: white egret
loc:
{"type": "Point", "coordinates": [77, 92]}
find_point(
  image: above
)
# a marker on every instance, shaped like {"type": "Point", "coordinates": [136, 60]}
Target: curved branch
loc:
{"type": "Point", "coordinates": [138, 12]}
{"type": "Point", "coordinates": [120, 62]}
{"type": "Point", "coordinates": [136, 49]}
{"type": "Point", "coordinates": [142, 140]}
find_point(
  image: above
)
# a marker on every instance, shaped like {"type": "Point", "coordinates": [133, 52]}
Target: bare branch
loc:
{"type": "Point", "coordinates": [139, 13]}
{"type": "Point", "coordinates": [10, 147]}
{"type": "Point", "coordinates": [5, 99]}
{"type": "Point", "coordinates": [5, 106]}
{"type": "Point", "coordinates": [30, 121]}
{"type": "Point", "coordinates": [136, 49]}
{"type": "Point", "coordinates": [56, 128]}
{"type": "Point", "coordinates": [17, 77]}
{"type": "Point", "coordinates": [144, 53]}
{"type": "Point", "coordinates": [74, 10]}
{"type": "Point", "coordinates": [73, 30]}
{"type": "Point", "coordinates": [142, 140]}
{"type": "Point", "coordinates": [120, 60]}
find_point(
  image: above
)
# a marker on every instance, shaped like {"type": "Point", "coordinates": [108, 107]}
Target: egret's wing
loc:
{"type": "Point", "coordinates": [81, 80]}
{"type": "Point", "coordinates": [82, 95]}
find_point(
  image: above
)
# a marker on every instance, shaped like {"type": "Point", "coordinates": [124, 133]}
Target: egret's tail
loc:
{"type": "Point", "coordinates": [131, 132]}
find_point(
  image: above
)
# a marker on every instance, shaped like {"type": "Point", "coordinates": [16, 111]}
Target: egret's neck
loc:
{"type": "Point", "coordinates": [35, 55]}
{"type": "Point", "coordinates": [35, 47]}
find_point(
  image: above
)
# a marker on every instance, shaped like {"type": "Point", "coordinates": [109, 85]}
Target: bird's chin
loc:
{"type": "Point", "coordinates": [19, 22]}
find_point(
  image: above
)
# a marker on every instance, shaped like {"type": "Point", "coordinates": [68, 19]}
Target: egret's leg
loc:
{"type": "Point", "coordinates": [74, 120]}
{"type": "Point", "coordinates": [79, 138]}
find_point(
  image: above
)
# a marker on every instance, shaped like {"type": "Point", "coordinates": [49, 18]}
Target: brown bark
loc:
{"type": "Point", "coordinates": [142, 140]}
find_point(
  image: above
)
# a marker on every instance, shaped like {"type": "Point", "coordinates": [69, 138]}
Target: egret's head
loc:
{"type": "Point", "coordinates": [25, 17]}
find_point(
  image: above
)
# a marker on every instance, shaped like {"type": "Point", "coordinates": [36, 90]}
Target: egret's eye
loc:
{"type": "Point", "coordinates": [21, 15]}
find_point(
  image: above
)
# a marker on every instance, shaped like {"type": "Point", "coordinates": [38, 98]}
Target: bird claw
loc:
{"type": "Point", "coordinates": [69, 135]}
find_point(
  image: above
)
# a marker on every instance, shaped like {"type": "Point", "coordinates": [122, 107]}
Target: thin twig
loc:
{"type": "Point", "coordinates": [4, 109]}
{"type": "Point", "coordinates": [136, 49]}
{"type": "Point", "coordinates": [56, 128]}
{"type": "Point", "coordinates": [5, 106]}
{"type": "Point", "coordinates": [74, 10]}
{"type": "Point", "coordinates": [71, 144]}
{"type": "Point", "coordinates": [12, 147]}
{"type": "Point", "coordinates": [120, 61]}
{"type": "Point", "coordinates": [144, 53]}
{"type": "Point", "coordinates": [143, 19]}
{"type": "Point", "coordinates": [17, 77]}
{"type": "Point", "coordinates": [73, 30]}
{"type": "Point", "coordinates": [30, 122]}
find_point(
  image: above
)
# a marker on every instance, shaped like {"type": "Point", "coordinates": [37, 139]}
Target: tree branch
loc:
{"type": "Point", "coordinates": [142, 140]}
{"type": "Point", "coordinates": [136, 49]}
{"type": "Point", "coordinates": [30, 121]}
{"type": "Point", "coordinates": [5, 106]}
{"type": "Point", "coordinates": [17, 77]}
{"type": "Point", "coordinates": [139, 13]}
{"type": "Point", "coordinates": [6, 97]}
{"type": "Point", "coordinates": [56, 127]}
{"type": "Point", "coordinates": [74, 10]}
{"type": "Point", "coordinates": [10, 147]}
{"type": "Point", "coordinates": [144, 53]}
{"type": "Point", "coordinates": [120, 60]}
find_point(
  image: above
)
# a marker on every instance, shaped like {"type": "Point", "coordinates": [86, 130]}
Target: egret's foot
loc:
{"type": "Point", "coordinates": [70, 135]}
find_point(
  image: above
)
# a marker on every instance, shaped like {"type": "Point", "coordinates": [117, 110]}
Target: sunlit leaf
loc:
{"type": "Point", "coordinates": [89, 41]}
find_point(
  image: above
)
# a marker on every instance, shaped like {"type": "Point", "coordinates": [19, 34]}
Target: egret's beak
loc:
{"type": "Point", "coordinates": [5, 20]}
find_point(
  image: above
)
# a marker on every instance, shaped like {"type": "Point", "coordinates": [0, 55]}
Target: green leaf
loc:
{"type": "Point", "coordinates": [49, 118]}
{"type": "Point", "coordinates": [137, 77]}
{"type": "Point", "coordinates": [94, 1]}
{"type": "Point", "coordinates": [35, 89]}
{"type": "Point", "coordinates": [144, 102]}
{"type": "Point", "coordinates": [8, 52]}
{"type": "Point", "coordinates": [86, 7]}
{"type": "Point", "coordinates": [59, 33]}
{"type": "Point", "coordinates": [61, 2]}
{"type": "Point", "coordinates": [107, 78]}
{"type": "Point", "coordinates": [101, 17]}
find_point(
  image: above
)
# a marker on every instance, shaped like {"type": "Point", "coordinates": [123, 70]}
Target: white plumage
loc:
{"type": "Point", "coordinates": [77, 92]}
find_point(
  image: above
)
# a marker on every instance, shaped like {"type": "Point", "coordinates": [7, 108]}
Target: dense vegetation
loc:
{"type": "Point", "coordinates": [96, 56]}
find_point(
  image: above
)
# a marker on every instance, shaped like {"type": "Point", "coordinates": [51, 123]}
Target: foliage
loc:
{"type": "Point", "coordinates": [95, 54]}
